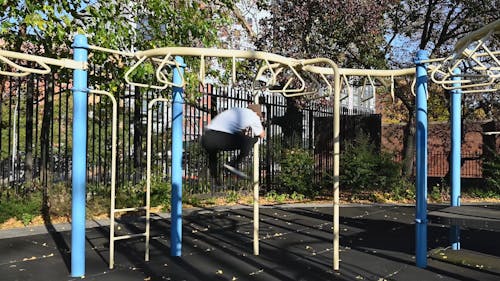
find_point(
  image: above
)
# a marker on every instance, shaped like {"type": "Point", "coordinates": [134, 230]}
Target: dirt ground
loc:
{"type": "Point", "coordinates": [242, 200]}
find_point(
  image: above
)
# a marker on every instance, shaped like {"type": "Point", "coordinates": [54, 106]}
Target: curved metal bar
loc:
{"type": "Point", "coordinates": [271, 69]}
{"type": "Point", "coordinates": [133, 68]}
{"type": "Point", "coordinates": [261, 71]}
{"type": "Point", "coordinates": [27, 70]}
{"type": "Point", "coordinates": [209, 52]}
{"type": "Point", "coordinates": [127, 74]}
{"type": "Point", "coordinates": [114, 123]}
{"type": "Point", "coordinates": [464, 83]}
{"type": "Point", "coordinates": [372, 86]}
{"type": "Point", "coordinates": [480, 91]}
{"type": "Point", "coordinates": [489, 72]}
{"type": "Point", "coordinates": [44, 62]}
{"type": "Point", "coordinates": [14, 74]}
{"type": "Point", "coordinates": [492, 28]}
{"type": "Point", "coordinates": [486, 84]}
{"type": "Point", "coordinates": [329, 85]}
{"type": "Point", "coordinates": [349, 90]}
{"type": "Point", "coordinates": [275, 69]}
{"type": "Point", "coordinates": [362, 72]}
{"type": "Point", "coordinates": [112, 51]}
{"type": "Point", "coordinates": [159, 74]}
{"type": "Point", "coordinates": [162, 78]}
{"type": "Point", "coordinates": [272, 62]}
{"type": "Point", "coordinates": [295, 92]}
{"type": "Point", "coordinates": [413, 83]}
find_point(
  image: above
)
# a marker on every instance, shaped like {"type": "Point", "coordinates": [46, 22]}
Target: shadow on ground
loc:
{"type": "Point", "coordinates": [377, 243]}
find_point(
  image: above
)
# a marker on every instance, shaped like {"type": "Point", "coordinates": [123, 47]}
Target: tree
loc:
{"type": "Point", "coordinates": [47, 28]}
{"type": "Point", "coordinates": [348, 32]}
{"type": "Point", "coordinates": [151, 24]}
{"type": "Point", "coordinates": [37, 28]}
{"type": "Point", "coordinates": [434, 25]}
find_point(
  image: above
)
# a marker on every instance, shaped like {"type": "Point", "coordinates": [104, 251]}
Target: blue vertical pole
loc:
{"type": "Point", "coordinates": [177, 108]}
{"type": "Point", "coordinates": [456, 120]}
{"type": "Point", "coordinates": [421, 157]}
{"type": "Point", "coordinates": [79, 159]}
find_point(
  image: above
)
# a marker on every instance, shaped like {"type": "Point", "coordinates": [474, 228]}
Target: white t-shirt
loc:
{"type": "Point", "coordinates": [236, 119]}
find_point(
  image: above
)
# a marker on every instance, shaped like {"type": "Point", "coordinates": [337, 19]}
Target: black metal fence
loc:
{"type": "Point", "coordinates": [438, 165]}
{"type": "Point", "coordinates": [36, 127]}
{"type": "Point", "coordinates": [471, 167]}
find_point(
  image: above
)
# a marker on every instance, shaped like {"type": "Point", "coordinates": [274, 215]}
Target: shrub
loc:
{"type": "Point", "coordinates": [440, 191]}
{"type": "Point", "coordinates": [59, 200]}
{"type": "Point", "coordinates": [403, 189]}
{"type": "Point", "coordinates": [232, 196]}
{"type": "Point", "coordinates": [358, 165]}
{"type": "Point", "coordinates": [23, 209]}
{"type": "Point", "coordinates": [297, 170]}
{"type": "Point", "coordinates": [363, 169]}
{"type": "Point", "coordinates": [296, 196]}
{"type": "Point", "coordinates": [491, 173]}
{"type": "Point", "coordinates": [273, 196]}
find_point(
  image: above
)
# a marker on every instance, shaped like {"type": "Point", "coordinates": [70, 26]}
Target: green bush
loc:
{"type": "Point", "coordinates": [491, 173]}
{"type": "Point", "coordinates": [135, 195]}
{"type": "Point", "coordinates": [128, 195]}
{"type": "Point", "coordinates": [232, 196]}
{"type": "Point", "coordinates": [23, 209]}
{"type": "Point", "coordinates": [274, 196]}
{"type": "Point", "coordinates": [403, 189]}
{"type": "Point", "coordinates": [483, 194]}
{"type": "Point", "coordinates": [440, 192]}
{"type": "Point", "coordinates": [363, 168]}
{"type": "Point", "coordinates": [358, 165]}
{"type": "Point", "coordinates": [297, 170]}
{"type": "Point", "coordinates": [59, 200]}
{"type": "Point", "coordinates": [296, 196]}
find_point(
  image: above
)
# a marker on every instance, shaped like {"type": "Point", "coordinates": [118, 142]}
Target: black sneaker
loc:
{"type": "Point", "coordinates": [236, 171]}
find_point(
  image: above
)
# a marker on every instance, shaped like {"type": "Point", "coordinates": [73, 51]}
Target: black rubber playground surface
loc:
{"type": "Point", "coordinates": [377, 243]}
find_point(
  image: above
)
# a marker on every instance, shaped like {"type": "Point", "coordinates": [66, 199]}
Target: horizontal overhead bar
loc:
{"type": "Point", "coordinates": [67, 63]}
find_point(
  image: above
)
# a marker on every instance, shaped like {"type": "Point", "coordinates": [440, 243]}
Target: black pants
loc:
{"type": "Point", "coordinates": [215, 141]}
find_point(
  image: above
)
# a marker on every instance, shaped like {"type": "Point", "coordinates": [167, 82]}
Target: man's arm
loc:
{"type": "Point", "coordinates": [262, 134]}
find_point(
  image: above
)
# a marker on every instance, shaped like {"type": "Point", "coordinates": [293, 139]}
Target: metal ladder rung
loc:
{"type": "Point", "coordinates": [116, 238]}
{"type": "Point", "coordinates": [129, 209]}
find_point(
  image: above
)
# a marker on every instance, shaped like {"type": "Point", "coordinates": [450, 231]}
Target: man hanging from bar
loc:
{"type": "Point", "coordinates": [233, 129]}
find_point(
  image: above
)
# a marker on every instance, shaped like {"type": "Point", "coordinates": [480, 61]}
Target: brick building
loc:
{"type": "Point", "coordinates": [439, 145]}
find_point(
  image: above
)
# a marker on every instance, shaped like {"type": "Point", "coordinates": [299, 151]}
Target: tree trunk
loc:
{"type": "Point", "coordinates": [45, 143]}
{"type": "Point", "coordinates": [138, 134]}
{"type": "Point", "coordinates": [291, 124]}
{"type": "Point", "coordinates": [28, 168]}
{"type": "Point", "coordinates": [409, 145]}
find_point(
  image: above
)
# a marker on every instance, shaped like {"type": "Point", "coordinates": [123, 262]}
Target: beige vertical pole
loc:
{"type": "Point", "coordinates": [114, 133]}
{"type": "Point", "coordinates": [255, 181]}
{"type": "Point", "coordinates": [336, 168]}
{"type": "Point", "coordinates": [148, 170]}
{"type": "Point", "coordinates": [336, 148]}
